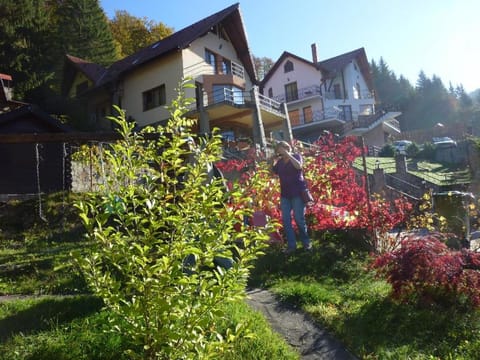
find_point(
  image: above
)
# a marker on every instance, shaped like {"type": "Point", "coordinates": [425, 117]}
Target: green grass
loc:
{"type": "Point", "coordinates": [336, 288]}
{"type": "Point", "coordinates": [66, 322]}
{"type": "Point", "coordinates": [333, 284]}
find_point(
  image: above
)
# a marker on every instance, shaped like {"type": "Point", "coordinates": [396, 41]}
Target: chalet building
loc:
{"type": "Point", "coordinates": [214, 52]}
{"type": "Point", "coordinates": [336, 94]}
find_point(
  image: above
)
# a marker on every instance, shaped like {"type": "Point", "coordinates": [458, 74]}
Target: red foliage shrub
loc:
{"type": "Point", "coordinates": [425, 270]}
{"type": "Point", "coordinates": [340, 198]}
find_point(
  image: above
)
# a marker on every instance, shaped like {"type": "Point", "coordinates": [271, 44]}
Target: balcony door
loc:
{"type": "Point", "coordinates": [291, 92]}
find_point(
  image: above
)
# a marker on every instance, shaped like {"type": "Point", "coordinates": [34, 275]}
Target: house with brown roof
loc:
{"type": "Point", "coordinates": [213, 52]}
{"type": "Point", "coordinates": [335, 94]}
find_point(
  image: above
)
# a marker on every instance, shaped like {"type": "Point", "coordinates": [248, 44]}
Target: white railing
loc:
{"type": "Point", "coordinates": [238, 70]}
{"type": "Point", "coordinates": [303, 93]}
{"type": "Point", "coordinates": [270, 104]}
{"type": "Point", "coordinates": [203, 68]}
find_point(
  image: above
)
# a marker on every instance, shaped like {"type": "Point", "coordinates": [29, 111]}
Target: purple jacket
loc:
{"type": "Point", "coordinates": [292, 182]}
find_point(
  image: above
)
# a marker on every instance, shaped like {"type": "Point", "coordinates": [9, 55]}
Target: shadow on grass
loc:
{"type": "Point", "coordinates": [328, 258]}
{"type": "Point", "coordinates": [48, 313]}
{"type": "Point", "coordinates": [383, 324]}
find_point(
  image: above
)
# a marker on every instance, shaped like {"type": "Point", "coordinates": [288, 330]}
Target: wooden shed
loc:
{"type": "Point", "coordinates": [32, 168]}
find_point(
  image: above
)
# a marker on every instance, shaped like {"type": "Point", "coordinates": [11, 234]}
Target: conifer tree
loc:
{"type": "Point", "coordinates": [24, 47]}
{"type": "Point", "coordinates": [83, 31]}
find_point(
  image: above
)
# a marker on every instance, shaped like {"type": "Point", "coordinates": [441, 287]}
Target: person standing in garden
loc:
{"type": "Point", "coordinates": [288, 166]}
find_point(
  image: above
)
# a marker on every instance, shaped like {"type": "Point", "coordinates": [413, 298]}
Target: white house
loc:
{"type": "Point", "coordinates": [336, 94]}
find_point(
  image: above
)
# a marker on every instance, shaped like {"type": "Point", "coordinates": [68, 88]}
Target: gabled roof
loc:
{"type": "Point", "coordinates": [331, 67]}
{"type": "Point", "coordinates": [91, 70]}
{"type": "Point", "coordinates": [280, 60]}
{"type": "Point", "coordinates": [32, 111]}
{"type": "Point", "coordinates": [231, 20]}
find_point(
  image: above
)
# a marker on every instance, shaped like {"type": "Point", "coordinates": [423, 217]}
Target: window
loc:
{"type": "Point", "coordinates": [210, 58]}
{"type": "Point", "coordinates": [307, 114]}
{"type": "Point", "coordinates": [288, 66]}
{"type": "Point", "coordinates": [337, 91]}
{"type": "Point", "coordinates": [356, 91]}
{"type": "Point", "coordinates": [294, 116]}
{"type": "Point", "coordinates": [154, 98]}
{"type": "Point", "coordinates": [291, 92]}
{"type": "Point", "coordinates": [226, 66]}
{"type": "Point", "coordinates": [270, 92]}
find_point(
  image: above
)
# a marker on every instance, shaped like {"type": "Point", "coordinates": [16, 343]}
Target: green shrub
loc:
{"type": "Point", "coordinates": [386, 151]}
{"type": "Point", "coordinates": [161, 229]}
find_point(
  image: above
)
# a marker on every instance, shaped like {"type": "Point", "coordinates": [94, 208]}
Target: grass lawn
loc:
{"type": "Point", "coordinates": [59, 319]}
{"type": "Point", "coordinates": [333, 284]}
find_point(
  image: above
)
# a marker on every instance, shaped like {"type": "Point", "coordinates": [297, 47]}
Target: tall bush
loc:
{"type": "Point", "coordinates": [170, 248]}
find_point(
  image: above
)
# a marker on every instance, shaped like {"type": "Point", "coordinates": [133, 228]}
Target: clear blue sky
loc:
{"type": "Point", "coordinates": [440, 37]}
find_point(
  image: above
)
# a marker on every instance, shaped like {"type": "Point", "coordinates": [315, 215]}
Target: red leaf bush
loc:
{"type": "Point", "coordinates": [341, 201]}
{"type": "Point", "coordinates": [424, 270]}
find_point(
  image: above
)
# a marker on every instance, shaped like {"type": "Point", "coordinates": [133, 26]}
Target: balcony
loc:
{"type": "Point", "coordinates": [335, 95]}
{"type": "Point", "coordinates": [201, 68]}
{"type": "Point", "coordinates": [230, 106]}
{"type": "Point", "coordinates": [332, 116]}
{"type": "Point", "coordinates": [303, 93]}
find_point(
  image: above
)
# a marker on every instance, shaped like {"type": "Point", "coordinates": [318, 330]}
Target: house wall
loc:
{"type": "Point", "coordinates": [304, 75]}
{"type": "Point", "coordinates": [79, 78]}
{"type": "Point", "coordinates": [195, 66]}
{"type": "Point", "coordinates": [165, 70]}
{"type": "Point", "coordinates": [351, 76]}
{"type": "Point", "coordinates": [375, 137]}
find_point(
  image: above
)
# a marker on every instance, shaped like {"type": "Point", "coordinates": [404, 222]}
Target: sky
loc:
{"type": "Point", "coordinates": [439, 37]}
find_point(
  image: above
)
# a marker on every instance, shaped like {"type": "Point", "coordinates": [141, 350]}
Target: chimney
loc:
{"type": "Point", "coordinates": [314, 53]}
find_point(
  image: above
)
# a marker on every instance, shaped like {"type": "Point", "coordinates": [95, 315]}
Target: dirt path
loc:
{"type": "Point", "coordinates": [311, 341]}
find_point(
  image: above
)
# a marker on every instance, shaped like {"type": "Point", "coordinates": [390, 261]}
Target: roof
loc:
{"type": "Point", "coordinates": [280, 60]}
{"type": "Point", "coordinates": [91, 70]}
{"type": "Point", "coordinates": [32, 110]}
{"type": "Point", "coordinates": [5, 77]}
{"type": "Point", "coordinates": [231, 20]}
{"type": "Point", "coordinates": [331, 67]}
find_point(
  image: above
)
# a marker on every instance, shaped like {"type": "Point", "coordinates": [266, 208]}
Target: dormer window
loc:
{"type": "Point", "coordinates": [288, 66]}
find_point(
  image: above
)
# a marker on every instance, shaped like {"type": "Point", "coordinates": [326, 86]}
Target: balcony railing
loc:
{"type": "Point", "coordinates": [203, 68]}
{"type": "Point", "coordinates": [332, 95]}
{"type": "Point", "coordinates": [238, 70]}
{"type": "Point", "coordinates": [302, 93]}
{"type": "Point", "coordinates": [239, 97]}
{"type": "Point", "coordinates": [331, 113]}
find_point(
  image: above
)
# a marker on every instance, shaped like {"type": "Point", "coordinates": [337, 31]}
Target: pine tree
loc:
{"type": "Point", "coordinates": [83, 31]}
{"type": "Point", "coordinates": [24, 46]}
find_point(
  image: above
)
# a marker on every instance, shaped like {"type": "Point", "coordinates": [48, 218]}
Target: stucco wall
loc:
{"type": "Point", "coordinates": [166, 70]}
